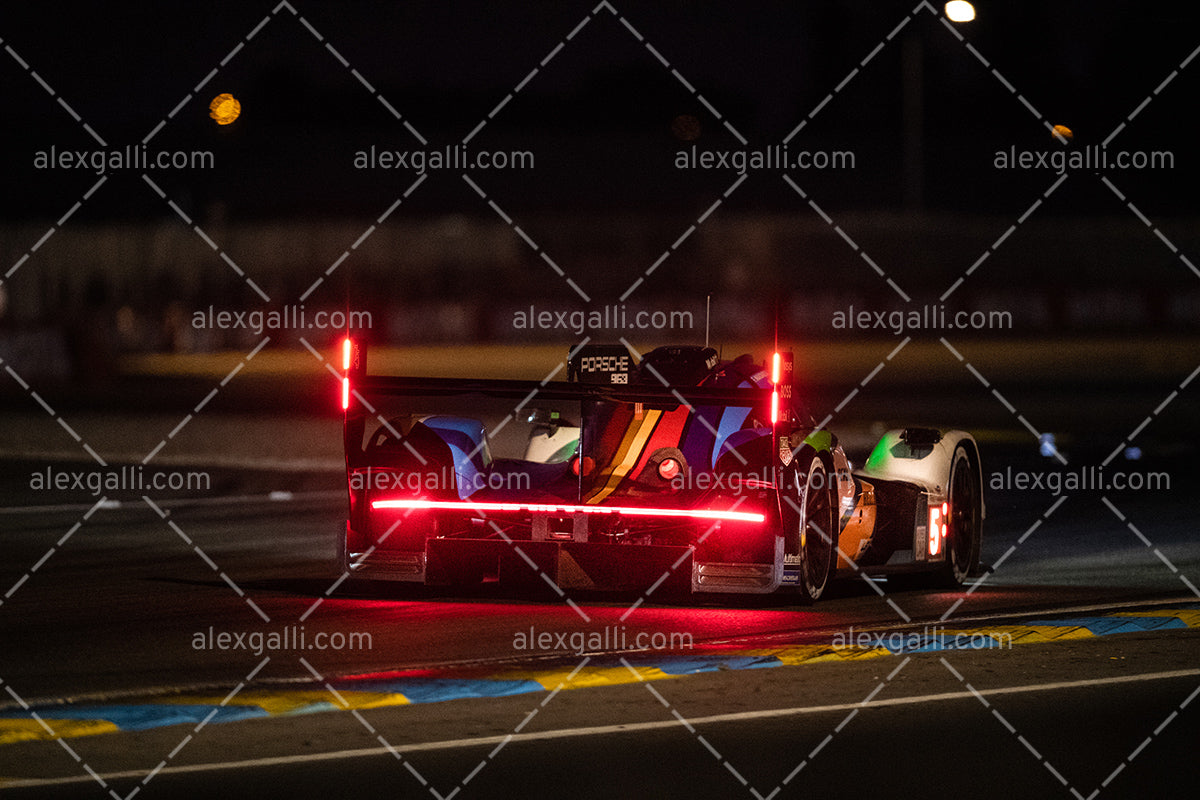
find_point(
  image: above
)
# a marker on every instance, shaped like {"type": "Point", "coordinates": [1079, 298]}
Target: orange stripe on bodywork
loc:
{"type": "Point", "coordinates": [667, 434]}
{"type": "Point", "coordinates": [627, 455]}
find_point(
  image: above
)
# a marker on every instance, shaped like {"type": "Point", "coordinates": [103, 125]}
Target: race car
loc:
{"type": "Point", "coordinates": [677, 470]}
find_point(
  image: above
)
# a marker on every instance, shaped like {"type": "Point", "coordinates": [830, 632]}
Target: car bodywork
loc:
{"type": "Point", "coordinates": [678, 469]}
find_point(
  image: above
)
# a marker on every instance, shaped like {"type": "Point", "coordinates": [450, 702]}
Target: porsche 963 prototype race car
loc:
{"type": "Point", "coordinates": [679, 469]}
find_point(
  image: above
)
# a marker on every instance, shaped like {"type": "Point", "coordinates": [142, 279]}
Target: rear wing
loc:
{"type": "Point", "coordinates": [356, 382]}
{"type": "Point", "coordinates": [525, 391]}
{"type": "Point", "coordinates": [363, 394]}
{"type": "Point", "coordinates": [358, 385]}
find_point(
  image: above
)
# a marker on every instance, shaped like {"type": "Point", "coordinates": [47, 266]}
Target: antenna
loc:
{"type": "Point", "coordinates": [776, 325]}
{"type": "Point", "coordinates": [707, 314]}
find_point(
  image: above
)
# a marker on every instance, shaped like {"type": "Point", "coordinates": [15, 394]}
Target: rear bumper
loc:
{"type": "Point", "coordinates": [565, 565]}
{"type": "Point", "coordinates": [560, 564]}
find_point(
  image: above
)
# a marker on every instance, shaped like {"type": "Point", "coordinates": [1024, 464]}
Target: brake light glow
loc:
{"type": "Point", "coordinates": [668, 469]}
{"type": "Point", "coordinates": [775, 369]}
{"type": "Point", "coordinates": [347, 348]}
{"type": "Point", "coordinates": [537, 508]}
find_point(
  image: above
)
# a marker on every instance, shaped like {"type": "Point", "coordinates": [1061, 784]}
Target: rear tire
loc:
{"type": "Point", "coordinates": [814, 538]}
{"type": "Point", "coordinates": [965, 536]}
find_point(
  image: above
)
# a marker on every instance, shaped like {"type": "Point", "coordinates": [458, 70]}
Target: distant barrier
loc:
{"type": "Point", "coordinates": [137, 287]}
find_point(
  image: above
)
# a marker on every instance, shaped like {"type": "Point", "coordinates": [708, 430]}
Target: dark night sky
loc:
{"type": "Point", "coordinates": [598, 117]}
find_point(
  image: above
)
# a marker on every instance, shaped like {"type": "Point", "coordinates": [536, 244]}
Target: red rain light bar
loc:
{"type": "Point", "coordinates": [347, 349]}
{"type": "Point", "coordinates": [775, 388]}
{"type": "Point", "coordinates": [631, 511]}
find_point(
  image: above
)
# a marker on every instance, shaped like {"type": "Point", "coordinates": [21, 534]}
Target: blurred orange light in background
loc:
{"type": "Point", "coordinates": [224, 108]}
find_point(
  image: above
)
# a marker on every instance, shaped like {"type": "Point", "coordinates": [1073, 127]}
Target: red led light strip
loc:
{"type": "Point", "coordinates": [346, 350]}
{"type": "Point", "coordinates": [775, 388]}
{"type": "Point", "coordinates": [631, 511]}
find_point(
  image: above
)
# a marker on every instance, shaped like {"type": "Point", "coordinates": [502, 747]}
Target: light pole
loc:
{"type": "Point", "coordinates": [912, 88]}
{"type": "Point", "coordinates": [912, 77]}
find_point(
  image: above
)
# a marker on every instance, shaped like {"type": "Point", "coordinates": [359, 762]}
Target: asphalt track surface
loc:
{"type": "Point", "coordinates": [103, 603]}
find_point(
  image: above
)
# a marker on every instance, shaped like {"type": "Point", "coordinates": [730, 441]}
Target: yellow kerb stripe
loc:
{"type": "Point", "coordinates": [24, 730]}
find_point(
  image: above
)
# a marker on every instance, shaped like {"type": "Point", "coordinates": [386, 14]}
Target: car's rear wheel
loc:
{"type": "Point", "coordinates": [815, 535]}
{"type": "Point", "coordinates": [965, 524]}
